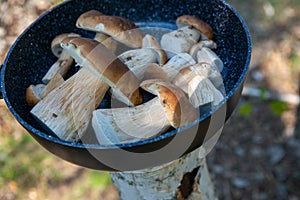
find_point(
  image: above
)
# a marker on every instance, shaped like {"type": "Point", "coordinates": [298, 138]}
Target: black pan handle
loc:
{"type": "Point", "coordinates": [1, 97]}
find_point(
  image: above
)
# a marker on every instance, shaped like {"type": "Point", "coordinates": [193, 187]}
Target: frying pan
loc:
{"type": "Point", "coordinates": [30, 57]}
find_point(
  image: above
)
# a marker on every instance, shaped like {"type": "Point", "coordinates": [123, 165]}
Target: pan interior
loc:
{"type": "Point", "coordinates": [30, 57]}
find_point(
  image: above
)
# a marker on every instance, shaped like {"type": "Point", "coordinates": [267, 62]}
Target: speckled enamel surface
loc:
{"type": "Point", "coordinates": [30, 57]}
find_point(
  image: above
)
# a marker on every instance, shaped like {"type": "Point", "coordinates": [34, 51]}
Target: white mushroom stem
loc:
{"type": "Point", "coordinates": [64, 62]}
{"type": "Point", "coordinates": [137, 60]}
{"type": "Point", "coordinates": [212, 73]}
{"type": "Point", "coordinates": [183, 78]}
{"type": "Point", "coordinates": [62, 66]}
{"type": "Point", "coordinates": [204, 43]}
{"type": "Point", "coordinates": [107, 67]}
{"type": "Point", "coordinates": [206, 55]}
{"type": "Point", "coordinates": [56, 81]}
{"type": "Point", "coordinates": [150, 41]}
{"type": "Point", "coordinates": [154, 71]}
{"type": "Point", "coordinates": [167, 181]}
{"type": "Point", "coordinates": [201, 91]}
{"type": "Point", "coordinates": [176, 42]}
{"type": "Point", "coordinates": [176, 63]}
{"type": "Point", "coordinates": [67, 110]}
{"type": "Point", "coordinates": [191, 32]}
{"type": "Point", "coordinates": [198, 86]}
{"type": "Point", "coordinates": [209, 44]}
{"type": "Point", "coordinates": [130, 124]}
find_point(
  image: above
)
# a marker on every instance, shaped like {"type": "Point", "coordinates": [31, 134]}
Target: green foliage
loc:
{"type": "Point", "coordinates": [263, 93]}
{"type": "Point", "coordinates": [245, 109]}
{"type": "Point", "coordinates": [278, 107]}
{"type": "Point", "coordinates": [277, 5]}
{"type": "Point", "coordinates": [295, 61]}
{"type": "Point", "coordinates": [99, 179]}
{"type": "Point", "coordinates": [19, 162]}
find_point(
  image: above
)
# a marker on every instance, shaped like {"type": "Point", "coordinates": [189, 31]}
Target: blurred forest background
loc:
{"type": "Point", "coordinates": [257, 156]}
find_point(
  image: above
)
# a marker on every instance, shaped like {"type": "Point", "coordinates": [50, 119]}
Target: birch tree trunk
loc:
{"type": "Point", "coordinates": [184, 179]}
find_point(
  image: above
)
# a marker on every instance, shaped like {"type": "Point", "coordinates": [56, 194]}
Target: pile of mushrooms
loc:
{"type": "Point", "coordinates": [181, 71]}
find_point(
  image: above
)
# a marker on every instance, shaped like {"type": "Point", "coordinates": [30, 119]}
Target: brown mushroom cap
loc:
{"type": "Point", "coordinates": [119, 28]}
{"type": "Point", "coordinates": [188, 20]}
{"type": "Point", "coordinates": [55, 44]}
{"type": "Point", "coordinates": [33, 94]}
{"type": "Point", "coordinates": [105, 65]}
{"type": "Point", "coordinates": [179, 110]}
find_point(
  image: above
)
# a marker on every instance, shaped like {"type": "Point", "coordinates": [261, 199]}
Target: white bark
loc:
{"type": "Point", "coordinates": [162, 183]}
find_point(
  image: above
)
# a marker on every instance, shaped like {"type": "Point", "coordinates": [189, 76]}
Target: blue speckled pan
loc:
{"type": "Point", "coordinates": [30, 57]}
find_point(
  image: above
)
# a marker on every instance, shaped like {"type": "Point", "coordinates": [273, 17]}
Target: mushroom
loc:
{"type": "Point", "coordinates": [56, 81]}
{"type": "Point", "coordinates": [137, 60]}
{"type": "Point", "coordinates": [67, 109]}
{"type": "Point", "coordinates": [204, 43]}
{"type": "Point", "coordinates": [187, 35]}
{"type": "Point", "coordinates": [129, 124]}
{"type": "Point", "coordinates": [35, 93]}
{"type": "Point", "coordinates": [198, 86]}
{"type": "Point", "coordinates": [119, 28]}
{"type": "Point", "coordinates": [177, 107]}
{"type": "Point", "coordinates": [191, 32]}
{"type": "Point", "coordinates": [208, 43]}
{"type": "Point", "coordinates": [101, 37]}
{"type": "Point", "coordinates": [183, 77]}
{"type": "Point", "coordinates": [123, 125]}
{"type": "Point", "coordinates": [150, 42]}
{"type": "Point", "coordinates": [106, 66]}
{"type": "Point", "coordinates": [201, 91]}
{"type": "Point", "coordinates": [206, 55]}
{"type": "Point", "coordinates": [203, 27]}
{"type": "Point", "coordinates": [154, 71]}
{"type": "Point", "coordinates": [112, 44]}
{"type": "Point", "coordinates": [212, 73]}
{"type": "Point", "coordinates": [64, 62]}
{"type": "Point", "coordinates": [176, 63]}
{"type": "Point", "coordinates": [176, 42]}
{"type": "Point", "coordinates": [107, 41]}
